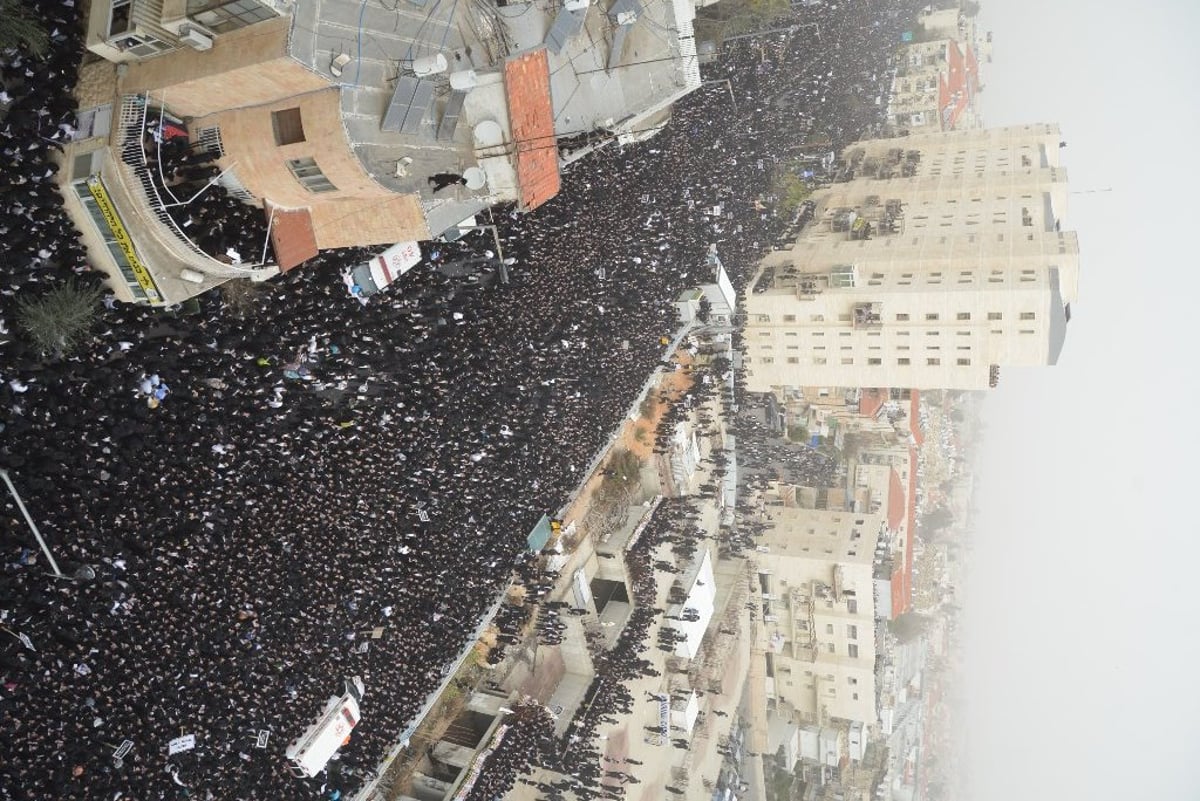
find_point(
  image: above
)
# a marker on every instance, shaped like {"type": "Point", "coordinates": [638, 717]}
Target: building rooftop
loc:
{"type": "Point", "coordinates": [421, 85]}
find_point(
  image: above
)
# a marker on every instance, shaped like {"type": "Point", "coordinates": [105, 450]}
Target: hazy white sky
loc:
{"type": "Point", "coordinates": [1084, 601]}
{"type": "Point", "coordinates": [1083, 625]}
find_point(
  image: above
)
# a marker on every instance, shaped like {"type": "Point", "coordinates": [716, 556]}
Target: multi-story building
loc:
{"type": "Point", "coordinates": [936, 79]}
{"type": "Point", "coordinates": [934, 88]}
{"type": "Point", "coordinates": [816, 576]}
{"type": "Point", "coordinates": [939, 259]}
{"type": "Point", "coordinates": [330, 117]}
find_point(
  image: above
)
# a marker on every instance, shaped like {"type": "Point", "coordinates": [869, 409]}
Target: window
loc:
{"type": "Point", "coordinates": [223, 17]}
{"type": "Point", "coordinates": [964, 362]}
{"type": "Point", "coordinates": [831, 648]}
{"type": "Point", "coordinates": [852, 606]}
{"type": "Point", "coordinates": [994, 316]}
{"type": "Point", "coordinates": [874, 362]}
{"type": "Point", "coordinates": [793, 359]}
{"type": "Point", "coordinates": [901, 318]}
{"type": "Point", "coordinates": [932, 316]}
{"type": "Point", "coordinates": [287, 126]}
{"type": "Point", "coordinates": [1028, 316]}
{"type": "Point", "coordinates": [829, 628]}
{"type": "Point", "coordinates": [964, 316]}
{"type": "Point", "coordinates": [904, 361]}
{"type": "Point", "coordinates": [852, 650]}
{"type": "Point", "coordinates": [118, 21]}
{"type": "Point", "coordinates": [310, 176]}
{"type": "Point", "coordinates": [853, 682]}
{"type": "Point", "coordinates": [816, 318]}
{"type": "Point", "coordinates": [852, 632]}
{"type": "Point", "coordinates": [789, 318]}
{"type": "Point", "coordinates": [819, 360]}
{"type": "Point", "coordinates": [847, 360]}
{"type": "Point", "coordinates": [933, 362]}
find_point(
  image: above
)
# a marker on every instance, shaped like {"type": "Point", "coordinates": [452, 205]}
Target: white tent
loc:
{"type": "Point", "coordinates": [700, 596]}
{"type": "Point", "coordinates": [685, 711]}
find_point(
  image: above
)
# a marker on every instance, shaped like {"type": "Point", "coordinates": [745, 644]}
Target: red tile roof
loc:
{"type": "Point", "coordinates": [972, 72]}
{"type": "Point", "coordinates": [954, 94]}
{"type": "Point", "coordinates": [531, 114]}
{"type": "Point", "coordinates": [871, 401]}
{"type": "Point", "coordinates": [896, 502]}
{"type": "Point", "coordinates": [292, 236]}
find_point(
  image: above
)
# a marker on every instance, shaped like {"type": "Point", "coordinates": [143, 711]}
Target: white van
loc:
{"type": "Point", "coordinates": [309, 753]}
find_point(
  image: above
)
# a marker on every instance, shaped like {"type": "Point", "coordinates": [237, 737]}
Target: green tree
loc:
{"type": "Point", "coordinates": [58, 322]}
{"type": "Point", "coordinates": [738, 17]}
{"type": "Point", "coordinates": [18, 26]}
{"type": "Point", "coordinates": [792, 190]}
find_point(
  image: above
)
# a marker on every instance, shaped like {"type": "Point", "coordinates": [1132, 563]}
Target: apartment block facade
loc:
{"type": "Point", "coordinates": [936, 260]}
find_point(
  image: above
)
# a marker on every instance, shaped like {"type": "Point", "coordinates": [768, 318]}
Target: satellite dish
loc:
{"type": "Point", "coordinates": [425, 66]}
{"type": "Point", "coordinates": [464, 80]}
{"type": "Point", "coordinates": [475, 177]}
{"type": "Point", "coordinates": [488, 134]}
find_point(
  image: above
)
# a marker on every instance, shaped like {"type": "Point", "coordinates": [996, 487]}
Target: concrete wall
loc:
{"type": "Point", "coordinates": [244, 68]}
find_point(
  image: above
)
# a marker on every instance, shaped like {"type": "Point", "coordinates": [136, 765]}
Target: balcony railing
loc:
{"type": "Point", "coordinates": [136, 168]}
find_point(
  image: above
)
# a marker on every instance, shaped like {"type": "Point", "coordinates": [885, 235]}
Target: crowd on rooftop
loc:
{"type": "Point", "coordinates": [327, 489]}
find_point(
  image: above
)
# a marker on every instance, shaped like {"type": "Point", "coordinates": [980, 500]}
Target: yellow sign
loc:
{"type": "Point", "coordinates": [121, 236]}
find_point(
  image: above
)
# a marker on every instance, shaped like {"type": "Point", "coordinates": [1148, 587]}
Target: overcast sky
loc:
{"type": "Point", "coordinates": [1083, 625]}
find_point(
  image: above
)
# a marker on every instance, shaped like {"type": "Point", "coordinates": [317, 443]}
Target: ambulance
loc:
{"type": "Point", "coordinates": [309, 753]}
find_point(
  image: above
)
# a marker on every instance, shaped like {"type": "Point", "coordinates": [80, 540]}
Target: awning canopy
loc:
{"type": "Point", "coordinates": [685, 711]}
{"type": "Point", "coordinates": [292, 236]}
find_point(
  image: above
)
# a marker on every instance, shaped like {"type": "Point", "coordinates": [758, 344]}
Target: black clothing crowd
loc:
{"type": "Point", "coordinates": [320, 469]}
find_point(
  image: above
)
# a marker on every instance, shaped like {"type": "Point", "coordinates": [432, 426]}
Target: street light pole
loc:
{"type": "Point", "coordinates": [32, 526]}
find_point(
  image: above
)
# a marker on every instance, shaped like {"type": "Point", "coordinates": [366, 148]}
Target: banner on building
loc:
{"type": "Point", "coordinates": [121, 237]}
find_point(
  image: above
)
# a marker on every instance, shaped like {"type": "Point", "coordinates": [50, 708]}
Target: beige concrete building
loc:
{"type": "Point", "coordinates": [331, 116]}
{"type": "Point", "coordinates": [937, 80]}
{"type": "Point", "coordinates": [816, 576]}
{"type": "Point", "coordinates": [939, 259]}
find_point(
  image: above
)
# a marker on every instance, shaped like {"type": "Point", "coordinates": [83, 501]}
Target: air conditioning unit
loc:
{"type": "Point", "coordinates": [197, 40]}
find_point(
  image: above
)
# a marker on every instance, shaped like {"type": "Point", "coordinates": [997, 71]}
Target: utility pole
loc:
{"type": "Point", "coordinates": [32, 526]}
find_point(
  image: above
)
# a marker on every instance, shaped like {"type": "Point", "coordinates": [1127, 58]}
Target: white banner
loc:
{"type": "Point", "coordinates": [181, 744]}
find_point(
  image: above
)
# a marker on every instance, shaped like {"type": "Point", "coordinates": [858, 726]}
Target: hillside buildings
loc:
{"type": "Point", "coordinates": [329, 117]}
{"type": "Point", "coordinates": [932, 262]}
{"type": "Point", "coordinates": [936, 80]}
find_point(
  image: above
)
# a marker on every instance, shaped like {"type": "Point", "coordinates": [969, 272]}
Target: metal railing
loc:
{"type": "Point", "coordinates": [136, 164]}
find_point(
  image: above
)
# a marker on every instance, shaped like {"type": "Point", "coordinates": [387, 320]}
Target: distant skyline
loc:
{"type": "Point", "coordinates": [1082, 601]}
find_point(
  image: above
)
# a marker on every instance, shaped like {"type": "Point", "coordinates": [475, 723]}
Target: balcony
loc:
{"type": "Point", "coordinates": [868, 315]}
{"type": "Point", "coordinates": [141, 178]}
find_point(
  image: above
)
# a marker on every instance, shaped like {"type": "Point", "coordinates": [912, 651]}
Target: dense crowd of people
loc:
{"type": "Point", "coordinates": [180, 175]}
{"type": "Point", "coordinates": [318, 470]}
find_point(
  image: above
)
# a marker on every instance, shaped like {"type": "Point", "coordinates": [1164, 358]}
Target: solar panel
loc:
{"type": "Point", "coordinates": [454, 107]}
{"type": "Point", "coordinates": [566, 25]}
{"type": "Point", "coordinates": [410, 102]}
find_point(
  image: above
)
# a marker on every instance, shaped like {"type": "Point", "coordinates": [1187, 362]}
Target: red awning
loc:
{"type": "Point", "coordinates": [292, 235]}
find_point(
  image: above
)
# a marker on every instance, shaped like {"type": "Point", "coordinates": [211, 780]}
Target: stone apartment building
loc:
{"type": "Point", "coordinates": [934, 261]}
{"type": "Point", "coordinates": [330, 116]}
